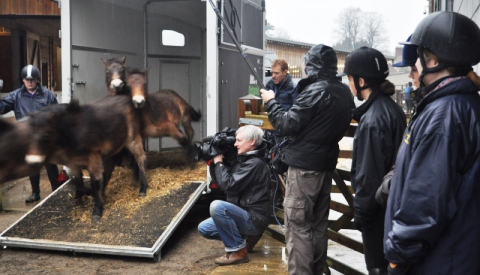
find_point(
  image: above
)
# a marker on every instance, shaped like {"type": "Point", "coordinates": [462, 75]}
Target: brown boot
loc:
{"type": "Point", "coordinates": [251, 241]}
{"type": "Point", "coordinates": [237, 257]}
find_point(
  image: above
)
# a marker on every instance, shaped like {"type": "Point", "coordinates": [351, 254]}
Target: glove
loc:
{"type": "Point", "coordinates": [398, 269]}
{"type": "Point", "coordinates": [360, 222]}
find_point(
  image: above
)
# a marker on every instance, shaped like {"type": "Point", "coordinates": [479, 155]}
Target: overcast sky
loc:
{"type": "Point", "coordinates": [314, 21]}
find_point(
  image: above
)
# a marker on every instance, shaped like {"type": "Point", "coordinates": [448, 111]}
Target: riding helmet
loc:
{"type": "Point", "coordinates": [452, 37]}
{"type": "Point", "coordinates": [409, 54]}
{"type": "Point", "coordinates": [366, 62]}
{"type": "Point", "coordinates": [30, 72]}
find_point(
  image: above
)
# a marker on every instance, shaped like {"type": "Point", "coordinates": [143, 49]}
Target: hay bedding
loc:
{"type": "Point", "coordinates": [127, 220]}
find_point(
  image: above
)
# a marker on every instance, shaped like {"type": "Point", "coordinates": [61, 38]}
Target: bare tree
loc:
{"type": "Point", "coordinates": [349, 25]}
{"type": "Point", "coordinates": [373, 31]}
{"type": "Point", "coordinates": [282, 33]}
{"type": "Point", "coordinates": [272, 31]}
{"type": "Point", "coordinates": [269, 29]}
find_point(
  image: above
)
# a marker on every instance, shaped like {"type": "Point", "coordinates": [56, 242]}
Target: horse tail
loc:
{"type": "Point", "coordinates": [194, 115]}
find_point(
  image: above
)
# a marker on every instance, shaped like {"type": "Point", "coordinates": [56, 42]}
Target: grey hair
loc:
{"type": "Point", "coordinates": [251, 132]}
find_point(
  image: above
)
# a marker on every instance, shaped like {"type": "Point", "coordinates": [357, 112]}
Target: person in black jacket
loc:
{"type": "Point", "coordinates": [27, 99]}
{"type": "Point", "coordinates": [282, 84]}
{"type": "Point", "coordinates": [248, 209]}
{"type": "Point", "coordinates": [381, 123]}
{"type": "Point", "coordinates": [316, 122]}
{"type": "Point", "coordinates": [432, 219]}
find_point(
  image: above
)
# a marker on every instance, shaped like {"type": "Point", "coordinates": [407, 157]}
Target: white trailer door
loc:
{"type": "Point", "coordinates": [174, 75]}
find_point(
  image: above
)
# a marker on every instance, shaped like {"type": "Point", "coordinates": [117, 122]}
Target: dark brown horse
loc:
{"type": "Point", "coordinates": [14, 142]}
{"type": "Point", "coordinates": [164, 112]}
{"type": "Point", "coordinates": [85, 136]}
{"type": "Point", "coordinates": [115, 76]}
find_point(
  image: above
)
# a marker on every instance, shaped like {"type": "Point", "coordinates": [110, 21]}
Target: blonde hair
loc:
{"type": "Point", "coordinates": [280, 62]}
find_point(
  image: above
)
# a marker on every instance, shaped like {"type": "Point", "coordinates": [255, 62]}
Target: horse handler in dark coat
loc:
{"type": "Point", "coordinates": [240, 221]}
{"type": "Point", "coordinates": [432, 224]}
{"type": "Point", "coordinates": [27, 99]}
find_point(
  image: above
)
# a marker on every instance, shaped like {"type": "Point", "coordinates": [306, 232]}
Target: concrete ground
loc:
{"type": "Point", "coordinates": [269, 256]}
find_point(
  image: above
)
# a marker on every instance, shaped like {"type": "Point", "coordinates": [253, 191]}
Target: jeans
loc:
{"type": "Point", "coordinates": [229, 223]}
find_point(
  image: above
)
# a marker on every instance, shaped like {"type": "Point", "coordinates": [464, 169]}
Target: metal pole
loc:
{"type": "Point", "coordinates": [237, 44]}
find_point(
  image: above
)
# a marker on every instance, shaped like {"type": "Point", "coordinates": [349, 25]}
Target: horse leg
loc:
{"type": "Point", "coordinates": [108, 166]}
{"type": "Point", "coordinates": [187, 126]}
{"type": "Point", "coordinates": [77, 179]}
{"type": "Point", "coordinates": [95, 168]}
{"type": "Point", "coordinates": [136, 148]}
{"type": "Point", "coordinates": [97, 195]}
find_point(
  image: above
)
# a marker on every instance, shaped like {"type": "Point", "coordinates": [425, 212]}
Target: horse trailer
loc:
{"type": "Point", "coordinates": [182, 43]}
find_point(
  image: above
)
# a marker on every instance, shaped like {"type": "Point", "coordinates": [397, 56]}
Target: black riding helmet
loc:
{"type": "Point", "coordinates": [367, 63]}
{"type": "Point", "coordinates": [452, 37]}
{"type": "Point", "coordinates": [30, 72]}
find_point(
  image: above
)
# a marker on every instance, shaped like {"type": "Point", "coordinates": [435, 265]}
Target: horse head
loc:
{"type": "Point", "coordinates": [44, 125]}
{"type": "Point", "coordinates": [115, 77]}
{"type": "Point", "coordinates": [137, 82]}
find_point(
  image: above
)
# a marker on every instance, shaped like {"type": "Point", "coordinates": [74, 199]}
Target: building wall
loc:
{"type": "Point", "coordinates": [294, 54]}
{"type": "Point", "coordinates": [29, 7]}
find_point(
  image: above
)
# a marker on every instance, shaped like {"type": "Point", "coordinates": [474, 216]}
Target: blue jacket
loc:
{"type": "Point", "coordinates": [24, 103]}
{"type": "Point", "coordinates": [433, 211]}
{"type": "Point", "coordinates": [406, 93]}
{"type": "Point", "coordinates": [285, 92]}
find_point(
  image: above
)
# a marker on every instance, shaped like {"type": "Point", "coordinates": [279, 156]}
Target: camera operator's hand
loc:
{"type": "Point", "coordinates": [267, 95]}
{"type": "Point", "coordinates": [218, 158]}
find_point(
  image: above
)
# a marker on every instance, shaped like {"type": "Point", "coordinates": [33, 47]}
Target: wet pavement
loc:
{"type": "Point", "coordinates": [16, 192]}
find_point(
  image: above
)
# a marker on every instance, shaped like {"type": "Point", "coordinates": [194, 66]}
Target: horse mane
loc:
{"type": "Point", "coordinates": [73, 106]}
{"type": "Point", "coordinates": [138, 71]}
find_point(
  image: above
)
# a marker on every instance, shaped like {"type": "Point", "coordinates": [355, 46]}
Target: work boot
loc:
{"type": "Point", "coordinates": [33, 198]}
{"type": "Point", "coordinates": [236, 257]}
{"type": "Point", "coordinates": [251, 241]}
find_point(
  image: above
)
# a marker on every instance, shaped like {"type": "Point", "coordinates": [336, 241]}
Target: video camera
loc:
{"type": "Point", "coordinates": [221, 143]}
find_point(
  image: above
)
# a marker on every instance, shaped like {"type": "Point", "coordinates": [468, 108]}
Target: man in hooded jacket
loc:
{"type": "Point", "coordinates": [316, 122]}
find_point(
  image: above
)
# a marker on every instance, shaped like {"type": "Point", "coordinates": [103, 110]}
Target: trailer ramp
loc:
{"type": "Point", "coordinates": [138, 232]}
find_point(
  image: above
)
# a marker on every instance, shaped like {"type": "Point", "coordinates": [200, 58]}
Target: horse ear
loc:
{"type": "Point", "coordinates": [123, 59]}
{"type": "Point", "coordinates": [104, 62]}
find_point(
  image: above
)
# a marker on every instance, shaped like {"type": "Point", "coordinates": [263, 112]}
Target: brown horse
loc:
{"type": "Point", "coordinates": [14, 142]}
{"type": "Point", "coordinates": [115, 76]}
{"type": "Point", "coordinates": [85, 136]}
{"type": "Point", "coordinates": [163, 112]}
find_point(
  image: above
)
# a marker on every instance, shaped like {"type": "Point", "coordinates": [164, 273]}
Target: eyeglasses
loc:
{"type": "Point", "coordinates": [31, 80]}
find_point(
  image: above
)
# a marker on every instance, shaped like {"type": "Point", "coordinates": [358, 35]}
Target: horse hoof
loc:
{"type": "Point", "coordinates": [143, 194]}
{"type": "Point", "coordinates": [96, 218]}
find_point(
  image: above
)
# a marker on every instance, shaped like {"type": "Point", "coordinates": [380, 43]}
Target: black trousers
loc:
{"type": "Point", "coordinates": [52, 173]}
{"type": "Point", "coordinates": [372, 235]}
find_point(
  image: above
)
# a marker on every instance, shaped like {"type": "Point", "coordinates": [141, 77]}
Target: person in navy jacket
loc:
{"type": "Point", "coordinates": [25, 100]}
{"type": "Point", "coordinates": [432, 219]}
